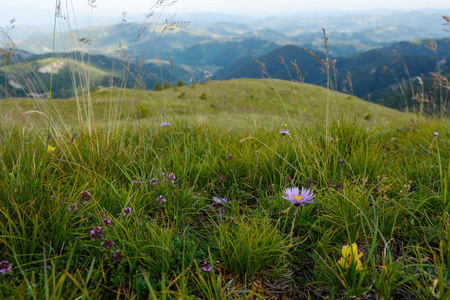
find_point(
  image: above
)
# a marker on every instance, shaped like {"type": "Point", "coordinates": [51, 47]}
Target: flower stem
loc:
{"type": "Point", "coordinates": [293, 223]}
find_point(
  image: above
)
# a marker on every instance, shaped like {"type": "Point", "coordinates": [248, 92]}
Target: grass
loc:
{"type": "Point", "coordinates": [123, 207]}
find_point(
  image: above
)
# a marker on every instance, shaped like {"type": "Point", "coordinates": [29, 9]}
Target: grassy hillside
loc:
{"type": "Point", "coordinates": [232, 102]}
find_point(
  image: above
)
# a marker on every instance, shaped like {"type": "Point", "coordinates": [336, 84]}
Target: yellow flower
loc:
{"type": "Point", "coordinates": [50, 149]}
{"type": "Point", "coordinates": [350, 255]}
{"type": "Point", "coordinates": [285, 125]}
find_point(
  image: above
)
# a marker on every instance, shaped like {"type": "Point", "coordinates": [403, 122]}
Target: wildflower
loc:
{"type": "Point", "coordinates": [164, 124]}
{"type": "Point", "coordinates": [153, 181]}
{"type": "Point", "coordinates": [189, 128]}
{"type": "Point", "coordinates": [171, 177]}
{"type": "Point", "coordinates": [138, 182]}
{"type": "Point", "coordinates": [270, 187]}
{"type": "Point", "coordinates": [219, 162]}
{"type": "Point", "coordinates": [118, 255]}
{"type": "Point", "coordinates": [284, 132]}
{"type": "Point", "coordinates": [230, 157]}
{"type": "Point", "coordinates": [75, 206]}
{"type": "Point", "coordinates": [331, 138]}
{"type": "Point", "coordinates": [50, 149]}
{"type": "Point", "coordinates": [285, 125]}
{"type": "Point", "coordinates": [288, 179]}
{"type": "Point", "coordinates": [161, 199]}
{"type": "Point", "coordinates": [340, 186]}
{"type": "Point", "coordinates": [435, 133]}
{"type": "Point", "coordinates": [399, 128]}
{"type": "Point", "coordinates": [96, 233]}
{"type": "Point", "coordinates": [85, 196]}
{"type": "Point", "coordinates": [351, 256]}
{"type": "Point", "coordinates": [5, 266]}
{"type": "Point", "coordinates": [127, 212]}
{"type": "Point", "coordinates": [222, 177]}
{"type": "Point", "coordinates": [106, 222]}
{"type": "Point", "coordinates": [206, 267]}
{"type": "Point", "coordinates": [341, 160]}
{"type": "Point", "coordinates": [329, 183]}
{"type": "Point", "coordinates": [108, 244]}
{"type": "Point", "coordinates": [298, 198]}
{"type": "Point", "coordinates": [219, 200]}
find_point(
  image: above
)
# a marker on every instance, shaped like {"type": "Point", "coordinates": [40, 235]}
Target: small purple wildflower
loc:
{"type": "Point", "coordinates": [230, 157]}
{"type": "Point", "coordinates": [219, 200]}
{"type": "Point", "coordinates": [118, 255]}
{"type": "Point", "coordinates": [298, 198]}
{"type": "Point", "coordinates": [161, 199]}
{"type": "Point", "coordinates": [106, 222]}
{"type": "Point", "coordinates": [288, 179]}
{"type": "Point", "coordinates": [341, 160]}
{"type": "Point", "coordinates": [171, 177]}
{"type": "Point", "coordinates": [331, 138]}
{"type": "Point", "coordinates": [222, 177]}
{"type": "Point", "coordinates": [189, 128]}
{"type": "Point", "coordinates": [284, 132]}
{"type": "Point", "coordinates": [138, 182]}
{"type": "Point", "coordinates": [282, 183]}
{"type": "Point", "coordinates": [127, 212]}
{"type": "Point", "coordinates": [75, 206]}
{"type": "Point", "coordinates": [5, 266]}
{"type": "Point", "coordinates": [85, 196]}
{"type": "Point", "coordinates": [329, 183]}
{"type": "Point", "coordinates": [219, 162]}
{"type": "Point", "coordinates": [399, 128]}
{"type": "Point", "coordinates": [340, 186]}
{"type": "Point", "coordinates": [96, 233]}
{"type": "Point", "coordinates": [435, 133]}
{"type": "Point", "coordinates": [206, 267]}
{"type": "Point", "coordinates": [154, 181]}
{"type": "Point", "coordinates": [270, 187]}
{"type": "Point", "coordinates": [108, 244]}
{"type": "Point", "coordinates": [164, 124]}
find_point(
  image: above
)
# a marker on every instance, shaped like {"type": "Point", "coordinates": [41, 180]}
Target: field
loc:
{"type": "Point", "coordinates": [125, 199]}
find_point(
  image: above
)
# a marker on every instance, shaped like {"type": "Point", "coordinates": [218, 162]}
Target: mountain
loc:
{"type": "Point", "coordinates": [372, 71]}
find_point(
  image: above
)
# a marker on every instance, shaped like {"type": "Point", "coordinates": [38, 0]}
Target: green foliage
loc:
{"type": "Point", "coordinates": [180, 83]}
{"type": "Point", "coordinates": [166, 85]}
{"type": "Point", "coordinates": [202, 96]}
{"type": "Point", "coordinates": [157, 86]}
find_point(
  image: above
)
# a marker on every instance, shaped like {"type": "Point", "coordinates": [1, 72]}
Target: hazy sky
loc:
{"type": "Point", "coordinates": [40, 12]}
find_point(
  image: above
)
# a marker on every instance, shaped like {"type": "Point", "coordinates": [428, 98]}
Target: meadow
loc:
{"type": "Point", "coordinates": [240, 189]}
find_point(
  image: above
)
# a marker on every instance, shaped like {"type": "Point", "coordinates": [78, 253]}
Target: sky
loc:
{"type": "Point", "coordinates": [41, 11]}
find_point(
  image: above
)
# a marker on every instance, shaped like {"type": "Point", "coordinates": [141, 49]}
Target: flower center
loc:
{"type": "Point", "coordinates": [297, 198]}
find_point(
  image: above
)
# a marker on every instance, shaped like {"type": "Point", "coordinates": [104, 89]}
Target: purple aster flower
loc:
{"type": "Point", "coordinates": [189, 128]}
{"type": "Point", "coordinates": [75, 206]}
{"type": "Point", "coordinates": [164, 124]}
{"type": "Point", "coordinates": [161, 199]}
{"type": "Point", "coordinates": [5, 266]}
{"type": "Point", "coordinates": [106, 221]}
{"type": "Point", "coordinates": [206, 267]}
{"type": "Point", "coordinates": [171, 177]}
{"type": "Point", "coordinates": [331, 139]}
{"type": "Point", "coordinates": [127, 212]}
{"type": "Point", "coordinates": [435, 133]}
{"type": "Point", "coordinates": [108, 244]}
{"type": "Point", "coordinates": [298, 198]}
{"type": "Point", "coordinates": [85, 196]}
{"type": "Point", "coordinates": [96, 233]}
{"type": "Point", "coordinates": [284, 132]}
{"type": "Point", "coordinates": [219, 200]}
{"type": "Point", "coordinates": [118, 255]}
